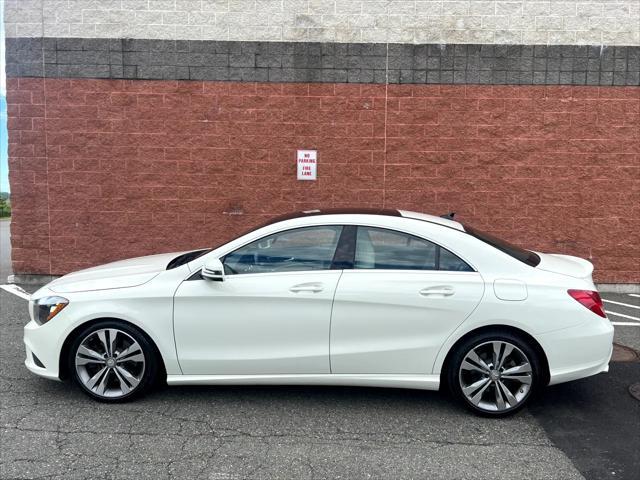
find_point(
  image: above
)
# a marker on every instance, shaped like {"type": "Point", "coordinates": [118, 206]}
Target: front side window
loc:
{"type": "Point", "coordinates": [300, 249]}
{"type": "Point", "coordinates": [382, 249]}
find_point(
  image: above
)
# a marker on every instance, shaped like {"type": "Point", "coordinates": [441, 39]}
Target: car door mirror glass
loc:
{"type": "Point", "coordinates": [213, 270]}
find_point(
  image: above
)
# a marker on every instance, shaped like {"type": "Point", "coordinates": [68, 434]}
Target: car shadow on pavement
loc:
{"type": "Point", "coordinates": [596, 422]}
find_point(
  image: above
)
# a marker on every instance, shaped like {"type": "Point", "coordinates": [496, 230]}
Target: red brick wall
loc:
{"type": "Point", "coordinates": [104, 169]}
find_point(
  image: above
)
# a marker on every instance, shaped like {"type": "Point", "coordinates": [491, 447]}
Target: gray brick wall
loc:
{"type": "Point", "coordinates": [550, 22]}
{"type": "Point", "coordinates": [323, 62]}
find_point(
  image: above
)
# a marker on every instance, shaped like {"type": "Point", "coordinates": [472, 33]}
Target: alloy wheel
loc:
{"type": "Point", "coordinates": [495, 376]}
{"type": "Point", "coordinates": [110, 363]}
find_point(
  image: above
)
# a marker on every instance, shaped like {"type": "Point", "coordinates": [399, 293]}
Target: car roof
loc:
{"type": "Point", "coordinates": [389, 212]}
{"type": "Point", "coordinates": [445, 221]}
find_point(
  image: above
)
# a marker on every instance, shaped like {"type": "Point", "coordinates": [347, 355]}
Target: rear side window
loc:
{"type": "Point", "coordinates": [382, 249]}
{"type": "Point", "coordinates": [525, 256]}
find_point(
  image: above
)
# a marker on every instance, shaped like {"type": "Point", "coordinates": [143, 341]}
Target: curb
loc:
{"type": "Point", "coordinates": [618, 287]}
{"type": "Point", "coordinates": [30, 279]}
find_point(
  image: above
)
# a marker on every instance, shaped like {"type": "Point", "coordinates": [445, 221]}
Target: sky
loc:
{"type": "Point", "coordinates": [4, 168]}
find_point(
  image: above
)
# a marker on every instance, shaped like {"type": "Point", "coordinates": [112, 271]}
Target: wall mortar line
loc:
{"type": "Point", "coordinates": [46, 141]}
{"type": "Point", "coordinates": [386, 111]}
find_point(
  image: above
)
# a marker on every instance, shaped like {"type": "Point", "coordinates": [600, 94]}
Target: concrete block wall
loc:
{"type": "Point", "coordinates": [140, 126]}
{"type": "Point", "coordinates": [547, 22]}
{"type": "Point", "coordinates": [138, 167]}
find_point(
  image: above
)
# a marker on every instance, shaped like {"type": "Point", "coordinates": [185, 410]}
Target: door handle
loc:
{"type": "Point", "coordinates": [307, 287]}
{"type": "Point", "coordinates": [439, 291]}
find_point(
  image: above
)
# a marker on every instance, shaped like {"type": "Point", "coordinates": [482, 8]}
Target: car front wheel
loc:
{"type": "Point", "coordinates": [494, 374]}
{"type": "Point", "coordinates": [112, 361]}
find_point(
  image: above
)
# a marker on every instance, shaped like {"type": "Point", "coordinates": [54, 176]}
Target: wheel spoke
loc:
{"type": "Point", "coordinates": [103, 339]}
{"type": "Point", "coordinates": [469, 389]}
{"type": "Point", "coordinates": [113, 333]}
{"type": "Point", "coordinates": [124, 386]}
{"type": "Point", "coordinates": [89, 353]}
{"type": "Point", "coordinates": [132, 349]}
{"type": "Point", "coordinates": [497, 347]}
{"type": "Point", "coordinates": [103, 383]}
{"type": "Point", "coordinates": [93, 380]}
{"type": "Point", "coordinates": [526, 379]}
{"type": "Point", "coordinates": [505, 353]}
{"type": "Point", "coordinates": [85, 361]}
{"type": "Point", "coordinates": [133, 381]}
{"type": "Point", "coordinates": [478, 396]}
{"type": "Point", "coordinates": [499, 398]}
{"type": "Point", "coordinates": [470, 366]}
{"type": "Point", "coordinates": [473, 356]}
{"type": "Point", "coordinates": [511, 400]}
{"type": "Point", "coordinates": [524, 368]}
{"type": "Point", "coordinates": [138, 357]}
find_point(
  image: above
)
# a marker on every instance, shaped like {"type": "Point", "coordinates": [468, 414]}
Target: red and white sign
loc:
{"type": "Point", "coordinates": [307, 164]}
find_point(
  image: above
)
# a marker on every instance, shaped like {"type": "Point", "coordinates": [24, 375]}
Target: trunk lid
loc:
{"type": "Point", "coordinates": [565, 265]}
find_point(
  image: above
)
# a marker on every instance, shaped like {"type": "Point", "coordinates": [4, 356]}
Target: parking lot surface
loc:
{"type": "Point", "coordinates": [51, 430]}
{"type": "Point", "coordinates": [221, 432]}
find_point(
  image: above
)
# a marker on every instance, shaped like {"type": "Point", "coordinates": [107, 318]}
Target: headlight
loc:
{"type": "Point", "coordinates": [45, 308]}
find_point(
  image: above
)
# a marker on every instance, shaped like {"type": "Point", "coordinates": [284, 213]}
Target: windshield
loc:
{"type": "Point", "coordinates": [525, 256]}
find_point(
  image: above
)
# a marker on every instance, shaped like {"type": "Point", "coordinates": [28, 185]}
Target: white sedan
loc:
{"type": "Point", "coordinates": [381, 298]}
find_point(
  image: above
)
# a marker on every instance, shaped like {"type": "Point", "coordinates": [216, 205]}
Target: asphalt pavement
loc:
{"type": "Point", "coordinates": [584, 429]}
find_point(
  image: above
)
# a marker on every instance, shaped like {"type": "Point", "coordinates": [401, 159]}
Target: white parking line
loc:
{"type": "Point", "coordinates": [16, 290]}
{"type": "Point", "coordinates": [620, 303]}
{"type": "Point", "coordinates": [634, 295]}
{"type": "Point", "coordinates": [628, 324]}
{"type": "Point", "coordinates": [622, 315]}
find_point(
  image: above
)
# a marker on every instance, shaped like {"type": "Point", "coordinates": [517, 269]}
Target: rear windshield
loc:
{"type": "Point", "coordinates": [525, 256]}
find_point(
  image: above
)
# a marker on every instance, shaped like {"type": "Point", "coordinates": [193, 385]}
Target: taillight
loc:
{"type": "Point", "coordinates": [589, 299]}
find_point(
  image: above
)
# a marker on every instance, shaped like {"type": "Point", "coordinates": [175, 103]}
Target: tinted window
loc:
{"type": "Point", "coordinates": [525, 256]}
{"type": "Point", "coordinates": [378, 248]}
{"type": "Point", "coordinates": [309, 248]}
{"type": "Point", "coordinates": [451, 262]}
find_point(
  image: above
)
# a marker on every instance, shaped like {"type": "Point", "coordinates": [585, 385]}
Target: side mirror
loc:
{"type": "Point", "coordinates": [213, 270]}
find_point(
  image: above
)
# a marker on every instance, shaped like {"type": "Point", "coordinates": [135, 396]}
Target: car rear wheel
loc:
{"type": "Point", "coordinates": [112, 361]}
{"type": "Point", "coordinates": [494, 374]}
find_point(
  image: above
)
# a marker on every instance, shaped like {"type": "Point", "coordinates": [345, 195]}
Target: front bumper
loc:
{"type": "Point", "coordinates": [42, 341]}
{"type": "Point", "coordinates": [579, 351]}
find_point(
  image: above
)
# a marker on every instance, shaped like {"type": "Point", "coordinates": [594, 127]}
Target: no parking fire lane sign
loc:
{"type": "Point", "coordinates": [307, 164]}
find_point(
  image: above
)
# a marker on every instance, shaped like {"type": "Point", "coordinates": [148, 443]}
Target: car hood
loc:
{"type": "Point", "coordinates": [565, 265]}
{"type": "Point", "coordinates": [120, 274]}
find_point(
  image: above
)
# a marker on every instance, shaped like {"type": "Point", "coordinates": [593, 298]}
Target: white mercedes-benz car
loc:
{"type": "Point", "coordinates": [382, 298]}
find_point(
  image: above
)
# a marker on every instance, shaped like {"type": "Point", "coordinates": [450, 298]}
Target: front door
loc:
{"type": "Point", "coordinates": [270, 315]}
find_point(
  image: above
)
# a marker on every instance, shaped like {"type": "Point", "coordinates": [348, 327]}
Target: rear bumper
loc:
{"type": "Point", "coordinates": [579, 351]}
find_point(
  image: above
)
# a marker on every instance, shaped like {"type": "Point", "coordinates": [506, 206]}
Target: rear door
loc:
{"type": "Point", "coordinates": [403, 298]}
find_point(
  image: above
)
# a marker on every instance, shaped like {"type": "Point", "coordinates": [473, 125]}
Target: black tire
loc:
{"type": "Point", "coordinates": [148, 372]}
{"type": "Point", "coordinates": [455, 376]}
